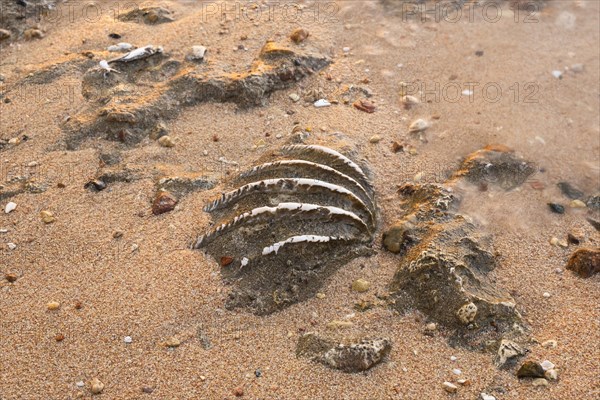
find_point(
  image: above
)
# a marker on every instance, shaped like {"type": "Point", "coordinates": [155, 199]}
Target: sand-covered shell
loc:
{"type": "Point", "coordinates": [288, 222]}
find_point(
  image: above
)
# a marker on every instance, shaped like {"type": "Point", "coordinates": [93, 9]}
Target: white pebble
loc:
{"type": "Point", "coordinates": [546, 294]}
{"type": "Point", "coordinates": [547, 365]}
{"type": "Point", "coordinates": [11, 246]}
{"type": "Point", "coordinates": [10, 206]}
{"type": "Point", "coordinates": [244, 261]}
{"type": "Point", "coordinates": [3, 230]}
{"type": "Point", "coordinates": [485, 396]}
{"type": "Point", "coordinates": [557, 74]}
{"type": "Point", "coordinates": [205, 152]}
{"type": "Point", "coordinates": [346, 49]}
{"type": "Point", "coordinates": [80, 384]}
{"type": "Point", "coordinates": [449, 387]}
{"type": "Point", "coordinates": [128, 339]}
{"type": "Point", "coordinates": [418, 126]}
{"type": "Point", "coordinates": [453, 358]}
{"type": "Point", "coordinates": [456, 371]}
{"type": "Point", "coordinates": [322, 103]}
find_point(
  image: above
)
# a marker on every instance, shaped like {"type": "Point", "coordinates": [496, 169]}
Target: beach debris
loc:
{"type": "Point", "coordinates": [166, 141]}
{"type": "Point", "coordinates": [163, 202]}
{"type": "Point", "coordinates": [508, 353]}
{"type": "Point", "coordinates": [364, 105]}
{"type": "Point", "coordinates": [569, 190]}
{"type": "Point", "coordinates": [361, 285]}
{"type": "Point", "coordinates": [296, 217]}
{"type": "Point", "coordinates": [418, 125]}
{"type": "Point", "coordinates": [299, 35]}
{"type": "Point", "coordinates": [47, 217]}
{"type": "Point", "coordinates": [127, 340]}
{"type": "Point", "coordinates": [197, 53]}
{"type": "Point", "coordinates": [349, 356]}
{"type": "Point", "coordinates": [138, 54]}
{"type": "Point", "coordinates": [556, 208]}
{"type": "Point", "coordinates": [148, 15]}
{"type": "Point", "coordinates": [96, 386]}
{"type": "Point", "coordinates": [322, 103]}
{"type": "Point", "coordinates": [106, 67]}
{"type": "Point", "coordinates": [577, 204]}
{"type": "Point", "coordinates": [120, 47]}
{"type": "Point", "coordinates": [530, 369]}
{"type": "Point", "coordinates": [449, 387]}
{"type": "Point", "coordinates": [9, 207]}
{"type": "Point", "coordinates": [585, 262]}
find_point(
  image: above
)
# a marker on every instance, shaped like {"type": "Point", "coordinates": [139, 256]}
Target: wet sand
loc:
{"type": "Point", "coordinates": [159, 288]}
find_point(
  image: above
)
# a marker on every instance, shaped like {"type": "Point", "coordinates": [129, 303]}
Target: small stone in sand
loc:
{"type": "Point", "coordinates": [11, 246]}
{"type": "Point", "coordinates": [551, 375]}
{"type": "Point", "coordinates": [320, 295]}
{"type": "Point", "coordinates": [419, 125]}
{"type": "Point", "coordinates": [166, 141]}
{"type": "Point", "coordinates": [59, 337]}
{"type": "Point", "coordinates": [294, 97]}
{"type": "Point", "coordinates": [53, 305]}
{"type": "Point", "coordinates": [485, 396]}
{"type": "Point", "coordinates": [198, 53]}
{"type": "Point", "coordinates": [336, 324]}
{"type": "Point", "coordinates": [164, 202]}
{"type": "Point", "coordinates": [238, 392]}
{"type": "Point", "coordinates": [550, 344]}
{"type": "Point", "coordinates": [172, 342]}
{"type": "Point", "coordinates": [556, 208]}
{"type": "Point", "coordinates": [10, 278]}
{"type": "Point", "coordinates": [361, 285]}
{"type": "Point", "coordinates": [530, 369]}
{"type": "Point", "coordinates": [33, 33]}
{"type": "Point", "coordinates": [127, 339]}
{"type": "Point", "coordinates": [147, 389]}
{"type": "Point", "coordinates": [577, 204]}
{"type": "Point", "coordinates": [449, 387]}
{"type": "Point", "coordinates": [96, 386]}
{"type": "Point", "coordinates": [456, 371]}
{"type": "Point", "coordinates": [546, 295]}
{"type": "Point", "coordinates": [547, 365]}
{"type": "Point", "coordinates": [299, 35]}
{"type": "Point", "coordinates": [47, 217]}
{"type": "Point", "coordinates": [539, 382]}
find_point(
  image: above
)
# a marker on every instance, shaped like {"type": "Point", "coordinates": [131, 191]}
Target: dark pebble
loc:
{"type": "Point", "coordinates": [479, 53]}
{"type": "Point", "coordinates": [114, 36]}
{"type": "Point", "coordinates": [594, 202]}
{"type": "Point", "coordinates": [556, 208]}
{"type": "Point", "coordinates": [585, 262]}
{"type": "Point", "coordinates": [10, 277]}
{"type": "Point", "coordinates": [164, 202]}
{"type": "Point", "coordinates": [258, 373]}
{"type": "Point", "coordinates": [570, 191]}
{"type": "Point", "coordinates": [147, 389]}
{"type": "Point", "coordinates": [572, 239]}
{"type": "Point", "coordinates": [96, 185]}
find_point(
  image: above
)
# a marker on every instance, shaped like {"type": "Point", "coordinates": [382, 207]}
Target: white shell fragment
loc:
{"type": "Point", "coordinates": [10, 206]}
{"type": "Point", "coordinates": [120, 47]}
{"type": "Point", "coordinates": [322, 103]}
{"type": "Point", "coordinates": [138, 54]}
{"type": "Point", "coordinates": [418, 126]}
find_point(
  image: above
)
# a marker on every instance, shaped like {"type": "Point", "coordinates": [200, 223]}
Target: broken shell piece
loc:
{"type": "Point", "coordinates": [138, 54]}
{"type": "Point", "coordinates": [419, 125]}
{"type": "Point", "coordinates": [120, 47]}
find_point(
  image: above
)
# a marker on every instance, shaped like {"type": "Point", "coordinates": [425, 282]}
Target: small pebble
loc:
{"type": "Point", "coordinates": [449, 387]}
{"type": "Point", "coordinates": [10, 206]}
{"type": "Point", "coordinates": [173, 342]}
{"type": "Point", "coordinates": [551, 375]}
{"type": "Point", "coordinates": [361, 285]}
{"type": "Point", "coordinates": [539, 382]}
{"type": "Point", "coordinates": [557, 74]}
{"type": "Point", "coordinates": [346, 49]}
{"type": "Point", "coordinates": [546, 294]}
{"type": "Point", "coordinates": [456, 371]}
{"type": "Point", "coordinates": [550, 344]}
{"type": "Point", "coordinates": [11, 246]}
{"type": "Point", "coordinates": [485, 396]}
{"type": "Point", "coordinates": [577, 204]}
{"type": "Point", "coordinates": [322, 103]}
{"type": "Point", "coordinates": [299, 35]}
{"type": "Point", "coordinates": [80, 384]}
{"type": "Point", "coordinates": [198, 53]}
{"type": "Point", "coordinates": [11, 278]}
{"type": "Point", "coordinates": [547, 365]}
{"type": "Point", "coordinates": [464, 382]}
{"type": "Point", "coordinates": [556, 208]}
{"type": "Point", "coordinates": [577, 68]}
{"type": "Point", "coordinates": [97, 386]}
{"type": "Point", "coordinates": [418, 126]}
{"type": "Point", "coordinates": [294, 97]}
{"type": "Point", "coordinates": [166, 141]}
{"type": "Point", "coordinates": [432, 326]}
{"type": "Point", "coordinates": [147, 389]}
{"type": "Point", "coordinates": [238, 392]}
{"type": "Point", "coordinates": [127, 339]}
{"type": "Point", "coordinates": [375, 139]}
{"type": "Point", "coordinates": [320, 296]}
{"type": "Point", "coordinates": [53, 305]}
{"type": "Point", "coordinates": [258, 373]}
{"type": "Point", "coordinates": [59, 338]}
{"type": "Point", "coordinates": [117, 234]}
{"type": "Point", "coordinates": [453, 358]}
{"type": "Point", "coordinates": [47, 217]}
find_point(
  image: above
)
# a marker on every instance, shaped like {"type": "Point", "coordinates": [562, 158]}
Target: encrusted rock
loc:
{"type": "Point", "coordinates": [508, 353]}
{"type": "Point", "coordinates": [446, 261]}
{"type": "Point", "coordinates": [299, 35]}
{"type": "Point", "coordinates": [585, 262]}
{"type": "Point", "coordinates": [497, 165]}
{"type": "Point", "coordinates": [163, 202]}
{"type": "Point", "coordinates": [348, 357]}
